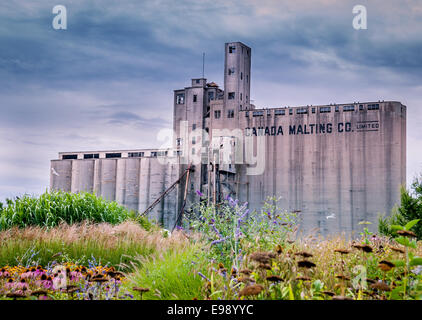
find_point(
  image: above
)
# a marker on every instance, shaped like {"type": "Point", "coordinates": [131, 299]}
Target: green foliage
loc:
{"type": "Point", "coordinates": [30, 253]}
{"type": "Point", "coordinates": [410, 209]}
{"type": "Point", "coordinates": [52, 208]}
{"type": "Point", "coordinates": [232, 230]}
{"type": "Point", "coordinates": [172, 275]}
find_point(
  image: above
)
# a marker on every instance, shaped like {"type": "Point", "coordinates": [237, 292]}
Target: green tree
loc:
{"type": "Point", "coordinates": [410, 209]}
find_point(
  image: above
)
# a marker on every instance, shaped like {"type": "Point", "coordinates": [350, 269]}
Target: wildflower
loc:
{"type": "Point", "coordinates": [386, 265]}
{"type": "Point", "coordinates": [219, 241]}
{"type": "Point", "coordinates": [306, 264]}
{"type": "Point", "coordinates": [203, 276]}
{"type": "Point", "coordinates": [251, 290]}
{"type": "Point", "coordinates": [381, 286]}
{"type": "Point", "coordinates": [199, 193]}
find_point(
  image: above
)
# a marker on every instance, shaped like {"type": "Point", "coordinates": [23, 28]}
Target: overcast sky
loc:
{"type": "Point", "coordinates": [107, 81]}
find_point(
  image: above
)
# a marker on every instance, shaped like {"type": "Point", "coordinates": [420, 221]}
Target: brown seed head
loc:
{"type": "Point", "coordinates": [385, 265]}
{"type": "Point", "coordinates": [139, 289]}
{"type": "Point", "coordinates": [380, 285]}
{"type": "Point", "coordinates": [251, 290]}
{"type": "Point", "coordinates": [274, 278]}
{"type": "Point", "coordinates": [306, 264]}
{"type": "Point", "coordinates": [407, 233]}
{"type": "Point", "coordinates": [363, 247]}
{"type": "Point", "coordinates": [342, 251]}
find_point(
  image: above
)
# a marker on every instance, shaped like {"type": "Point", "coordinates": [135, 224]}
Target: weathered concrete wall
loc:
{"type": "Point", "coordinates": [354, 175]}
{"type": "Point", "coordinates": [132, 182]}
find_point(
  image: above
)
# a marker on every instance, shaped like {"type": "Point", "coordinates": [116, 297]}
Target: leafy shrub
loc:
{"type": "Point", "coordinates": [52, 208]}
{"type": "Point", "coordinates": [232, 230]}
{"type": "Point", "coordinates": [410, 209]}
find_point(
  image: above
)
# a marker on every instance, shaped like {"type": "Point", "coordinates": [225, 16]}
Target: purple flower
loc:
{"type": "Point", "coordinates": [216, 231]}
{"type": "Point", "coordinates": [199, 193]}
{"type": "Point", "coordinates": [219, 241]}
{"type": "Point", "coordinates": [203, 276]}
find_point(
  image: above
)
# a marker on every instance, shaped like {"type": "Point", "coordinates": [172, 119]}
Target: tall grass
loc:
{"type": "Point", "coordinates": [171, 275]}
{"type": "Point", "coordinates": [82, 243]}
{"type": "Point", "coordinates": [52, 208]}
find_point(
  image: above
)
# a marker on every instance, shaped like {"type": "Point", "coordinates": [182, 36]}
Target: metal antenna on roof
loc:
{"type": "Point", "coordinates": [203, 64]}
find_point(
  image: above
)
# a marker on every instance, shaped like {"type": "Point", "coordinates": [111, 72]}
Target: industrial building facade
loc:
{"type": "Point", "coordinates": [336, 165]}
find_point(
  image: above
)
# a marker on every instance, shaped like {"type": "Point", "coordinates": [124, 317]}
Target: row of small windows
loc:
{"type": "Point", "coordinates": [91, 156]}
{"type": "Point", "coordinates": [180, 97]}
{"type": "Point", "coordinates": [113, 155]}
{"type": "Point", "coordinates": [135, 154]}
{"type": "Point", "coordinates": [282, 112]}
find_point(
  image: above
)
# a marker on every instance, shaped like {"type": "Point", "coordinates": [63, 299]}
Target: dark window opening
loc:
{"type": "Point", "coordinates": [194, 126]}
{"type": "Point", "coordinates": [231, 71]}
{"type": "Point", "coordinates": [302, 111]}
{"type": "Point", "coordinates": [91, 156]}
{"type": "Point", "coordinates": [69, 156]}
{"type": "Point", "coordinates": [337, 109]}
{"type": "Point", "coordinates": [231, 95]}
{"type": "Point", "coordinates": [153, 154]}
{"type": "Point", "coordinates": [290, 111]}
{"type": "Point", "coordinates": [210, 96]}
{"type": "Point", "coordinates": [162, 153]}
{"type": "Point", "coordinates": [217, 114]}
{"type": "Point", "coordinates": [113, 155]}
{"type": "Point", "coordinates": [313, 110]}
{"type": "Point", "coordinates": [230, 113]}
{"type": "Point", "coordinates": [257, 113]}
{"type": "Point", "coordinates": [324, 109]}
{"type": "Point", "coordinates": [135, 154]}
{"type": "Point", "coordinates": [232, 49]}
{"type": "Point", "coordinates": [195, 98]}
{"type": "Point", "coordinates": [361, 107]}
{"type": "Point", "coordinates": [279, 112]}
{"type": "Point", "coordinates": [197, 80]}
{"type": "Point", "coordinates": [348, 108]}
{"type": "Point", "coordinates": [180, 98]}
{"type": "Point", "coordinates": [375, 106]}
{"type": "Point", "coordinates": [241, 76]}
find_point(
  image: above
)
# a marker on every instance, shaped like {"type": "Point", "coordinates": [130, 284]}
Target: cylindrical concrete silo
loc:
{"type": "Point", "coordinates": [131, 198]}
{"type": "Point", "coordinates": [61, 175]}
{"type": "Point", "coordinates": [82, 176]}
{"type": "Point", "coordinates": [108, 179]}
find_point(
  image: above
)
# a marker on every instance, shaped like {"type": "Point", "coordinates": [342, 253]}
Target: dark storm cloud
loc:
{"type": "Point", "coordinates": [106, 82]}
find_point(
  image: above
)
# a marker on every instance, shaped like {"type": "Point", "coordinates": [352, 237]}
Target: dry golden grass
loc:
{"type": "Point", "coordinates": [110, 243]}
